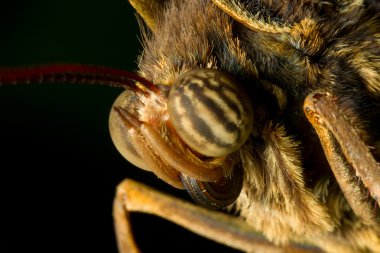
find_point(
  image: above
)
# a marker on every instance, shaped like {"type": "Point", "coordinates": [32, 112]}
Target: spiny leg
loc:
{"type": "Point", "coordinates": [135, 197]}
{"type": "Point", "coordinates": [348, 156]}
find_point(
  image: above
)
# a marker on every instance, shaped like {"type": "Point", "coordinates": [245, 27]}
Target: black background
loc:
{"type": "Point", "coordinates": [58, 166]}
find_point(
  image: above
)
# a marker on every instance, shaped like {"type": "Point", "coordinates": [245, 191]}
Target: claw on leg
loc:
{"type": "Point", "coordinates": [347, 154]}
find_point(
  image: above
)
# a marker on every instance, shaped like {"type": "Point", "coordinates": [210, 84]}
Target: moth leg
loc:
{"type": "Point", "coordinates": [123, 228]}
{"type": "Point", "coordinates": [348, 156]}
{"type": "Point", "coordinates": [132, 196]}
{"type": "Point", "coordinates": [237, 11]}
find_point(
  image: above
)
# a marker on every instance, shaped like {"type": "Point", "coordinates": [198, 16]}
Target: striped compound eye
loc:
{"type": "Point", "coordinates": [210, 112]}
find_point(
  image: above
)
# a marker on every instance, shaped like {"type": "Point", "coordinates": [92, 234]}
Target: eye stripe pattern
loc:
{"type": "Point", "coordinates": [210, 112]}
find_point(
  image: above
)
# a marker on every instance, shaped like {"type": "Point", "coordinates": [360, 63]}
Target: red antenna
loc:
{"type": "Point", "coordinates": [75, 73]}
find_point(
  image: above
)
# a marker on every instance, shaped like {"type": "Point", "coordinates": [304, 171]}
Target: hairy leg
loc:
{"type": "Point", "coordinates": [348, 156]}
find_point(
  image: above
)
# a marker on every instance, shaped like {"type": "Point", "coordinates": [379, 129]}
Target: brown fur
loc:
{"type": "Point", "coordinates": [289, 192]}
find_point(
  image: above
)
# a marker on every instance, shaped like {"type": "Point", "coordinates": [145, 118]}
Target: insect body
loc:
{"type": "Point", "coordinates": [268, 108]}
{"type": "Point", "coordinates": [299, 62]}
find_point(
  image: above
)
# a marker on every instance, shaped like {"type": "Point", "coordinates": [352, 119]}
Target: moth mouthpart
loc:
{"type": "Point", "coordinates": [153, 150]}
{"type": "Point", "coordinates": [129, 119]}
{"type": "Point", "coordinates": [215, 195]}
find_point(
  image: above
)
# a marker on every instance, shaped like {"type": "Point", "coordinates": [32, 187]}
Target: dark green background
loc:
{"type": "Point", "coordinates": [58, 167]}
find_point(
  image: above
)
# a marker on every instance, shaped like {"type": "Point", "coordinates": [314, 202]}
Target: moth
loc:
{"type": "Point", "coordinates": [267, 109]}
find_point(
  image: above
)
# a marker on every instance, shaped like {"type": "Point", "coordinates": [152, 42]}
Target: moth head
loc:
{"type": "Point", "coordinates": [185, 131]}
{"type": "Point", "coordinates": [188, 131]}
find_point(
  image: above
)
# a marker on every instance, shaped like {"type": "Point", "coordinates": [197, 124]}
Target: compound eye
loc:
{"type": "Point", "coordinates": [210, 112]}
